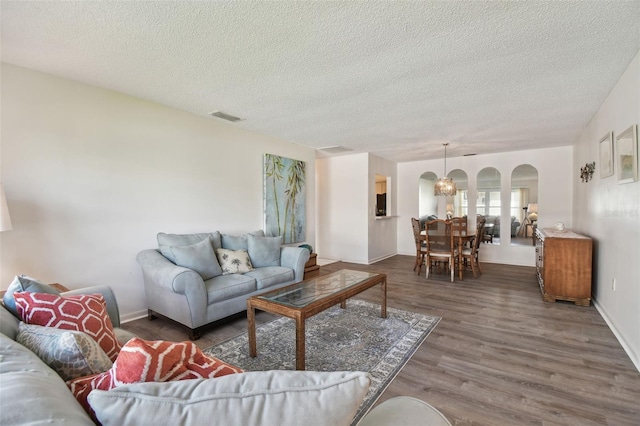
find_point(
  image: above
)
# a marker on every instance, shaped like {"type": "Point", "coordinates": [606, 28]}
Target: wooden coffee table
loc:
{"type": "Point", "coordinates": [309, 297]}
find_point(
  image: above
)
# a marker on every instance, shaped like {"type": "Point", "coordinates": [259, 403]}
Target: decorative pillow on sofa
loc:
{"type": "Point", "coordinates": [82, 312]}
{"type": "Point", "coordinates": [234, 261]}
{"type": "Point", "coordinates": [199, 257]}
{"type": "Point", "coordinates": [238, 242]}
{"type": "Point", "coordinates": [264, 251]}
{"type": "Point", "coordinates": [152, 361]}
{"type": "Point", "coordinates": [24, 283]}
{"type": "Point", "coordinates": [307, 398]}
{"type": "Point", "coordinates": [71, 354]}
{"type": "Point", "coordinates": [166, 241]}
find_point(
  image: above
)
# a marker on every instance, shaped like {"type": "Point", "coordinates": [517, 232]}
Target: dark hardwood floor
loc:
{"type": "Point", "coordinates": [499, 356]}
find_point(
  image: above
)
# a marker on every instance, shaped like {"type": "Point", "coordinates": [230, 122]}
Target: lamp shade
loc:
{"type": "Point", "coordinates": [5, 219]}
{"type": "Point", "coordinates": [533, 211]}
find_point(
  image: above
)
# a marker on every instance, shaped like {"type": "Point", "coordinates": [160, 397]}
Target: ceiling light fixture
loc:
{"type": "Point", "coordinates": [445, 185]}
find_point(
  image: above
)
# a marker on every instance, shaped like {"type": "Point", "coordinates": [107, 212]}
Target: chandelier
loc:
{"type": "Point", "coordinates": [445, 185]}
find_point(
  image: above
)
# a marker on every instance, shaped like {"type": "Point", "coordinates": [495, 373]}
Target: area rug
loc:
{"type": "Point", "coordinates": [352, 339]}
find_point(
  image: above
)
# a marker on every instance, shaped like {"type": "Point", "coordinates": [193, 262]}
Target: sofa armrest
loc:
{"type": "Point", "coordinates": [109, 297]}
{"type": "Point", "coordinates": [294, 258]}
{"type": "Point", "coordinates": [173, 291]}
{"type": "Point", "coordinates": [161, 272]}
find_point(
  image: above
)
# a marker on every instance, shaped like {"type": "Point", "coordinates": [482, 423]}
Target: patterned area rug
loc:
{"type": "Point", "coordinates": [352, 339]}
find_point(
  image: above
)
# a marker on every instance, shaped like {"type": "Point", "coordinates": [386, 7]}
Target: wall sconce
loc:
{"type": "Point", "coordinates": [586, 172]}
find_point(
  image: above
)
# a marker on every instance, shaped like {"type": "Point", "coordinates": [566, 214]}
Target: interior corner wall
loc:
{"type": "Point", "coordinates": [91, 176]}
{"type": "Point", "coordinates": [610, 214]}
{"type": "Point", "coordinates": [555, 178]}
{"type": "Point", "coordinates": [382, 238]}
{"type": "Point", "coordinates": [343, 196]}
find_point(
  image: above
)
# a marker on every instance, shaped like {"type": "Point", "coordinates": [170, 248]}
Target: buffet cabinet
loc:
{"type": "Point", "coordinates": [563, 265]}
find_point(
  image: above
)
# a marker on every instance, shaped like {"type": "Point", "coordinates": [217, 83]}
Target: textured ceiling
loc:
{"type": "Point", "coordinates": [392, 78]}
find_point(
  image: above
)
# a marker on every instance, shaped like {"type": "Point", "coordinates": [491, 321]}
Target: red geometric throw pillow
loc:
{"type": "Point", "coordinates": [151, 361]}
{"type": "Point", "coordinates": [82, 312]}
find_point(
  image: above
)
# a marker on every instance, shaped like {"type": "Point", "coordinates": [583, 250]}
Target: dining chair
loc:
{"type": "Point", "coordinates": [471, 254]}
{"type": "Point", "coordinates": [459, 231]}
{"type": "Point", "coordinates": [421, 246]}
{"type": "Point", "coordinates": [459, 225]}
{"type": "Point", "coordinates": [487, 234]}
{"type": "Point", "coordinates": [440, 245]}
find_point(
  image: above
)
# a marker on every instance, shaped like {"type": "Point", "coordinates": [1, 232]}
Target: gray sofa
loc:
{"type": "Point", "coordinates": [33, 393]}
{"type": "Point", "coordinates": [493, 227]}
{"type": "Point", "coordinates": [184, 282]}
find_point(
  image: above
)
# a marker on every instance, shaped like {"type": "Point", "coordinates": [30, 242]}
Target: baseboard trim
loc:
{"type": "Point", "coordinates": [133, 316]}
{"type": "Point", "coordinates": [632, 356]}
{"type": "Point", "coordinates": [378, 259]}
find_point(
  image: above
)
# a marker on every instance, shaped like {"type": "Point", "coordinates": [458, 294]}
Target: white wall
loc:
{"type": "Point", "coordinates": [427, 203]}
{"type": "Point", "coordinates": [555, 178]}
{"type": "Point", "coordinates": [348, 229]}
{"type": "Point", "coordinates": [610, 214]}
{"type": "Point", "coordinates": [91, 176]}
{"type": "Point", "coordinates": [343, 195]}
{"type": "Point", "coordinates": [382, 231]}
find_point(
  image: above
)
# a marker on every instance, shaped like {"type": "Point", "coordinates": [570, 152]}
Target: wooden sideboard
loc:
{"type": "Point", "coordinates": [563, 265]}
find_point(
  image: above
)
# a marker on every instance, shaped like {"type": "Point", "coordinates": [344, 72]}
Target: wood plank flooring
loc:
{"type": "Point", "coordinates": [499, 356]}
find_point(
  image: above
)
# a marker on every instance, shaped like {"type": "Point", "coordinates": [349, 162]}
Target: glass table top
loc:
{"type": "Point", "coordinates": [309, 291]}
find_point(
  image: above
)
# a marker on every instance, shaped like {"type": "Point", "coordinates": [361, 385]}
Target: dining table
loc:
{"type": "Point", "coordinates": [462, 239]}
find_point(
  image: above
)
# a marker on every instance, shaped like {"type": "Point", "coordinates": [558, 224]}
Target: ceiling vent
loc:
{"type": "Point", "coordinates": [468, 155]}
{"type": "Point", "coordinates": [225, 116]}
{"type": "Point", "coordinates": [337, 149]}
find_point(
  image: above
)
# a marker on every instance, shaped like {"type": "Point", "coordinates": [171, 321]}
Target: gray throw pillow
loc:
{"type": "Point", "coordinates": [238, 242]}
{"type": "Point", "coordinates": [264, 251]}
{"type": "Point", "coordinates": [166, 241]}
{"type": "Point", "coordinates": [24, 283]}
{"type": "Point", "coordinates": [70, 353]}
{"type": "Point", "coordinates": [198, 257]}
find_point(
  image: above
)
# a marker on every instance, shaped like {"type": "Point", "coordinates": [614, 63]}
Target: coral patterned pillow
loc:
{"type": "Point", "coordinates": [83, 312]}
{"type": "Point", "coordinates": [151, 361]}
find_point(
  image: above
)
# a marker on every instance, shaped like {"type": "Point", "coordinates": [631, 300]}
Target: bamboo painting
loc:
{"type": "Point", "coordinates": [284, 198]}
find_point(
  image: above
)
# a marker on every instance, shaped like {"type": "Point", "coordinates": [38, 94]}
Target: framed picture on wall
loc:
{"type": "Point", "coordinates": [627, 153]}
{"type": "Point", "coordinates": [284, 198]}
{"type": "Point", "coordinates": [606, 155]}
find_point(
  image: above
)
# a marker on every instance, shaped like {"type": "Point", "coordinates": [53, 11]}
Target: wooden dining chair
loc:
{"type": "Point", "coordinates": [469, 256]}
{"type": "Point", "coordinates": [459, 225]}
{"type": "Point", "coordinates": [459, 230]}
{"type": "Point", "coordinates": [421, 246]}
{"type": "Point", "coordinates": [440, 245]}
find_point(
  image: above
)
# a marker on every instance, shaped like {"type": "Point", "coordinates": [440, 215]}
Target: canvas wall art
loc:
{"type": "Point", "coordinates": [606, 155]}
{"type": "Point", "coordinates": [284, 198]}
{"type": "Point", "coordinates": [627, 148]}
